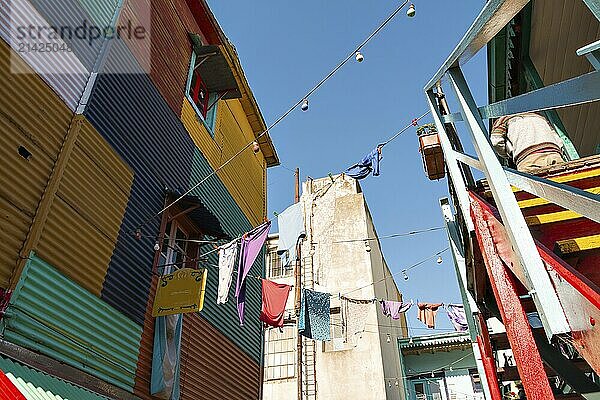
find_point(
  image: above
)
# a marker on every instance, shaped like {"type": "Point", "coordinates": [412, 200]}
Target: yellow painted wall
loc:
{"type": "Point", "coordinates": [31, 116]}
{"type": "Point", "coordinates": [82, 227]}
{"type": "Point", "coordinates": [245, 176]}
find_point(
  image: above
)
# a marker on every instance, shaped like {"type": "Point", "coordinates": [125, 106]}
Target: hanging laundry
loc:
{"type": "Point", "coordinates": [314, 318]}
{"type": "Point", "coordinates": [394, 309]}
{"type": "Point", "coordinates": [227, 256]}
{"type": "Point", "coordinates": [164, 380]}
{"type": "Point", "coordinates": [457, 316]}
{"type": "Point", "coordinates": [291, 229]}
{"type": "Point", "coordinates": [251, 245]}
{"type": "Point", "coordinates": [369, 163]}
{"type": "Point", "coordinates": [427, 312]}
{"type": "Point", "coordinates": [354, 318]}
{"type": "Point", "coordinates": [274, 299]}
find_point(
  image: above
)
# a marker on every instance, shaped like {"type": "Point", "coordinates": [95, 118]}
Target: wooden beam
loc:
{"type": "Point", "coordinates": [525, 351]}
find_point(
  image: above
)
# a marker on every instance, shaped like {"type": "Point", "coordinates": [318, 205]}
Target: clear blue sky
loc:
{"type": "Point", "coordinates": [288, 46]}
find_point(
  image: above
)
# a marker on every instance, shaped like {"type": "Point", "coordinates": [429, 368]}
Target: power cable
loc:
{"type": "Point", "coordinates": [282, 116]}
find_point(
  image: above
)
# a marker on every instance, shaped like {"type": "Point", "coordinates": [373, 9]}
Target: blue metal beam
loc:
{"type": "Point", "coordinates": [579, 90]}
{"type": "Point", "coordinates": [493, 17]}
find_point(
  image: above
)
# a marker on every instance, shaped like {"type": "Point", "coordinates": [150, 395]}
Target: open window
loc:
{"type": "Point", "coordinates": [210, 79]}
{"type": "Point", "coordinates": [183, 226]}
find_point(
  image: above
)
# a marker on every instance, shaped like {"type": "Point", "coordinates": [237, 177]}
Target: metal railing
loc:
{"type": "Point", "coordinates": [582, 89]}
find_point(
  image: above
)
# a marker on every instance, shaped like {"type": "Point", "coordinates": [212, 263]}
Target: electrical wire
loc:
{"type": "Point", "coordinates": [407, 127]}
{"type": "Point", "coordinates": [415, 265]}
{"type": "Point", "coordinates": [394, 235]}
{"type": "Point", "coordinates": [282, 116]}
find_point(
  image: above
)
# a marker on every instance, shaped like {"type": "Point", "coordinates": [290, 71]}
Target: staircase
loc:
{"type": "Point", "coordinates": [309, 377]}
{"type": "Point", "coordinates": [569, 245]}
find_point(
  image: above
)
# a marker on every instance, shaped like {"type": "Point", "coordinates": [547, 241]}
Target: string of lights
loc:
{"type": "Point", "coordinates": [304, 106]}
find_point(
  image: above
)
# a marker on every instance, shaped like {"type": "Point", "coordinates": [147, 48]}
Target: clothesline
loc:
{"type": "Point", "coordinates": [282, 116]}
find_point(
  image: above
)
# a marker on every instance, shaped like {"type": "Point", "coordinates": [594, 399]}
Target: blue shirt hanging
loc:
{"type": "Point", "coordinates": [314, 318]}
{"type": "Point", "coordinates": [370, 163]}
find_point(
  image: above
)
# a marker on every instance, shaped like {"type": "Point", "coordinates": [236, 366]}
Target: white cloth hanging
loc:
{"type": "Point", "coordinates": [227, 256]}
{"type": "Point", "coordinates": [354, 318]}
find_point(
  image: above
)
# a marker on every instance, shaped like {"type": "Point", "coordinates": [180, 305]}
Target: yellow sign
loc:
{"type": "Point", "coordinates": [180, 292]}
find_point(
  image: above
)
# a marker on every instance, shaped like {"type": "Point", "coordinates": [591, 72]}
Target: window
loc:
{"type": "Point", "coordinates": [337, 335]}
{"type": "Point", "coordinates": [175, 248]}
{"type": "Point", "coordinates": [276, 270]}
{"type": "Point", "coordinates": [203, 101]}
{"type": "Point", "coordinates": [476, 380]}
{"type": "Point", "coordinates": [280, 359]}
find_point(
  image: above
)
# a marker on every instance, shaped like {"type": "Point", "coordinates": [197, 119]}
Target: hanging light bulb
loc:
{"type": "Point", "coordinates": [410, 340]}
{"type": "Point", "coordinates": [389, 384]}
{"type": "Point", "coordinates": [367, 247]}
{"type": "Point", "coordinates": [389, 338]}
{"type": "Point", "coordinates": [156, 247]}
{"type": "Point", "coordinates": [397, 383]}
{"type": "Point", "coordinates": [451, 369]}
{"type": "Point", "coordinates": [405, 275]}
{"type": "Point", "coordinates": [439, 260]}
{"type": "Point", "coordinates": [359, 57]}
{"type": "Point", "coordinates": [255, 147]}
{"type": "Point", "coordinates": [432, 374]}
{"type": "Point", "coordinates": [304, 106]}
{"type": "Point", "coordinates": [411, 11]}
{"type": "Point", "coordinates": [138, 234]}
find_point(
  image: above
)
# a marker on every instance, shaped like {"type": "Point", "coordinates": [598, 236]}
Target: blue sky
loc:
{"type": "Point", "coordinates": [286, 47]}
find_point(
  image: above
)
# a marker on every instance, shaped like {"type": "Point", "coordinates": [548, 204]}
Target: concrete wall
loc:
{"type": "Point", "coordinates": [335, 212]}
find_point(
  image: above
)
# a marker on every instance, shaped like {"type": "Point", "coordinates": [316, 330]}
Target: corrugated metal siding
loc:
{"type": "Point", "coordinates": [143, 373]}
{"type": "Point", "coordinates": [216, 197]}
{"type": "Point", "coordinates": [82, 227]}
{"type": "Point", "coordinates": [170, 46]}
{"type": "Point", "coordinates": [243, 177]}
{"type": "Point", "coordinates": [212, 367]}
{"type": "Point", "coordinates": [79, 62]}
{"type": "Point", "coordinates": [50, 314]}
{"type": "Point", "coordinates": [32, 116]}
{"type": "Point", "coordinates": [558, 29]}
{"type": "Point", "coordinates": [32, 383]}
{"type": "Point", "coordinates": [130, 113]}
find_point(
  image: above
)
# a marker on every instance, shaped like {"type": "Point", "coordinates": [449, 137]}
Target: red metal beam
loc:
{"type": "Point", "coordinates": [525, 351]}
{"type": "Point", "coordinates": [487, 357]}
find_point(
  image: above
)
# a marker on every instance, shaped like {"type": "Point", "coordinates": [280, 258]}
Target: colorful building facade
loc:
{"type": "Point", "coordinates": [96, 142]}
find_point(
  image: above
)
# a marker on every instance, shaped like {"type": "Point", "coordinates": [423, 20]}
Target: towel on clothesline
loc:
{"type": "Point", "coordinates": [354, 318]}
{"type": "Point", "coordinates": [291, 229]}
{"type": "Point", "coordinates": [371, 162]}
{"type": "Point", "coordinates": [427, 312]}
{"type": "Point", "coordinates": [274, 299]}
{"type": "Point", "coordinates": [227, 255]}
{"type": "Point", "coordinates": [251, 245]}
{"type": "Point", "coordinates": [457, 316]}
{"type": "Point", "coordinates": [314, 318]}
{"type": "Point", "coordinates": [394, 309]}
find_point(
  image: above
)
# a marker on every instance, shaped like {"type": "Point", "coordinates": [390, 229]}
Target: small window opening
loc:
{"type": "Point", "coordinates": [23, 152]}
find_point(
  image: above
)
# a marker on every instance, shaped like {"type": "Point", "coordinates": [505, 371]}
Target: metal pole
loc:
{"type": "Point", "coordinates": [298, 276]}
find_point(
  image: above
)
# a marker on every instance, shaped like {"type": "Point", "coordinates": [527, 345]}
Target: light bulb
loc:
{"type": "Point", "coordinates": [389, 384]}
{"type": "Point", "coordinates": [432, 374]}
{"type": "Point", "coordinates": [405, 275]}
{"type": "Point", "coordinates": [304, 106]}
{"type": "Point", "coordinates": [367, 247]}
{"type": "Point", "coordinates": [359, 57]}
{"type": "Point", "coordinates": [451, 369]}
{"type": "Point", "coordinates": [397, 383]}
{"type": "Point", "coordinates": [389, 338]}
{"type": "Point", "coordinates": [255, 147]}
{"type": "Point", "coordinates": [411, 11]}
{"type": "Point", "coordinates": [439, 260]}
{"type": "Point", "coordinates": [138, 234]}
{"type": "Point", "coordinates": [410, 341]}
{"type": "Point", "coordinates": [156, 247]}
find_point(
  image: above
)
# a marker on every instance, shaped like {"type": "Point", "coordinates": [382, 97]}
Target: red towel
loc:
{"type": "Point", "coordinates": [274, 297]}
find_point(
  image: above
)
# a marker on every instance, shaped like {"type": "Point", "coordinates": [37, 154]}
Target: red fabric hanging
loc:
{"type": "Point", "coordinates": [274, 298]}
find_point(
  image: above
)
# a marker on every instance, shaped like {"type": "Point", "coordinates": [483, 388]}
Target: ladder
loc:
{"type": "Point", "coordinates": [309, 375]}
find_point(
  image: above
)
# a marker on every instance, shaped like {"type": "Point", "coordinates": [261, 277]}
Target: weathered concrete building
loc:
{"type": "Point", "coordinates": [340, 254]}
